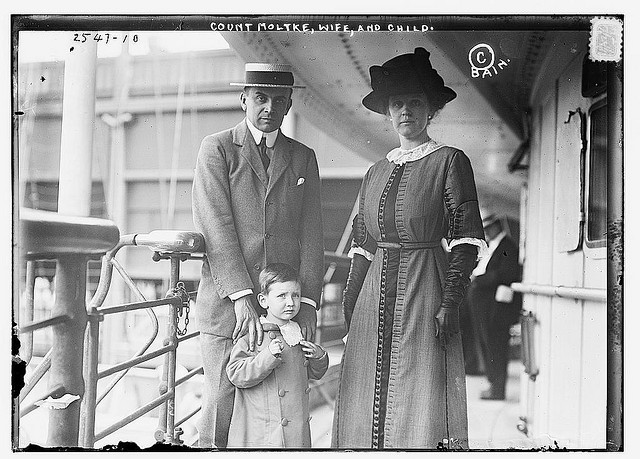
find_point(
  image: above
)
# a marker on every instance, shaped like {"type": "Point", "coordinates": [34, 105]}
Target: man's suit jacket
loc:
{"type": "Point", "coordinates": [502, 269]}
{"type": "Point", "coordinates": [249, 221]}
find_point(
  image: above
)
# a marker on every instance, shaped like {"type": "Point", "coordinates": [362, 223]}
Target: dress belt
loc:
{"type": "Point", "coordinates": [409, 245]}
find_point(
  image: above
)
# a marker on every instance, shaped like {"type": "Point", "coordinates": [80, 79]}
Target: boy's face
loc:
{"type": "Point", "coordinates": [282, 301]}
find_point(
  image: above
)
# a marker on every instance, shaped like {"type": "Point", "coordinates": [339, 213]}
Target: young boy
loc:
{"type": "Point", "coordinates": [271, 407]}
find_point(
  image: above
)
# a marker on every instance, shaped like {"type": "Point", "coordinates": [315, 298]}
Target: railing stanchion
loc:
{"type": "Point", "coordinates": [172, 333]}
{"type": "Point", "coordinates": [67, 345]}
{"type": "Point", "coordinates": [89, 404]}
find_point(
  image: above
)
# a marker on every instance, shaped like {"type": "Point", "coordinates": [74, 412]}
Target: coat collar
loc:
{"type": "Point", "coordinates": [268, 326]}
{"type": "Point", "coordinates": [281, 154]}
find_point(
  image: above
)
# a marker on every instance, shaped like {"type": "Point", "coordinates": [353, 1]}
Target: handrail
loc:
{"type": "Point", "coordinates": [33, 326]}
{"type": "Point", "coordinates": [177, 246]}
{"type": "Point", "coordinates": [50, 235]}
{"type": "Point", "coordinates": [72, 241]}
{"type": "Point", "coordinates": [575, 293]}
{"type": "Point", "coordinates": [135, 361]}
{"type": "Point", "coordinates": [128, 307]}
{"type": "Point", "coordinates": [171, 241]}
{"type": "Point", "coordinates": [37, 375]}
{"type": "Point", "coordinates": [135, 415]}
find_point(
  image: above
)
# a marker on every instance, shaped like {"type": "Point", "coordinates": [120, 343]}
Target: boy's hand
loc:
{"type": "Point", "coordinates": [312, 350]}
{"type": "Point", "coordinates": [276, 346]}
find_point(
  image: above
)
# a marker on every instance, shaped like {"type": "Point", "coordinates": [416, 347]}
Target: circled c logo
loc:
{"type": "Point", "coordinates": [481, 56]}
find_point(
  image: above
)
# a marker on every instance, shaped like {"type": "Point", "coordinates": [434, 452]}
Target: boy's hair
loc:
{"type": "Point", "coordinates": [276, 272]}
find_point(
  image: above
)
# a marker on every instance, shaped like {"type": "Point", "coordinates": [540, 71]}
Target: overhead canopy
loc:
{"type": "Point", "coordinates": [488, 118]}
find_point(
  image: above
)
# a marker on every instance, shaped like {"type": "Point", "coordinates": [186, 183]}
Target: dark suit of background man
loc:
{"type": "Point", "coordinates": [494, 315]}
{"type": "Point", "coordinates": [256, 200]}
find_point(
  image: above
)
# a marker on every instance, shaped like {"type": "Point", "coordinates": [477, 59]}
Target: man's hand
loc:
{"type": "Point", "coordinates": [247, 321]}
{"type": "Point", "coordinates": [307, 319]}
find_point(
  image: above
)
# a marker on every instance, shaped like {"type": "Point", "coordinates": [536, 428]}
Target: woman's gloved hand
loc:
{"type": "Point", "coordinates": [447, 324]}
{"type": "Point", "coordinates": [357, 272]}
{"type": "Point", "coordinates": [462, 260]}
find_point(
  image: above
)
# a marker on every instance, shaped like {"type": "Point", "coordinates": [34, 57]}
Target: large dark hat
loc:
{"type": "Point", "coordinates": [268, 75]}
{"type": "Point", "coordinates": [405, 74]}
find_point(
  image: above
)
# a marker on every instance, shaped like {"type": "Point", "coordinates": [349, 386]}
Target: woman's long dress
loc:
{"type": "Point", "coordinates": [398, 387]}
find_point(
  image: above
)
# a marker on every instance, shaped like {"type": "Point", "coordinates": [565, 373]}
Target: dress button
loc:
{"type": "Point", "coordinates": [256, 267]}
{"type": "Point", "coordinates": [272, 335]}
{"type": "Point", "coordinates": [281, 392]}
{"type": "Point", "coordinates": [267, 235]}
{"type": "Point", "coordinates": [284, 421]}
{"type": "Point", "coordinates": [307, 390]}
{"type": "Point", "coordinates": [306, 363]}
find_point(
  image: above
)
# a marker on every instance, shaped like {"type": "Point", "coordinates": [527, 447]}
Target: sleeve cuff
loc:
{"type": "Point", "coordinates": [360, 251]}
{"type": "Point", "coordinates": [480, 243]}
{"type": "Point", "coordinates": [310, 302]}
{"type": "Point", "coordinates": [237, 295]}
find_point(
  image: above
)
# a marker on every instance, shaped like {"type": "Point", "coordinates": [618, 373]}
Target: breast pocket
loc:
{"type": "Point", "coordinates": [295, 195]}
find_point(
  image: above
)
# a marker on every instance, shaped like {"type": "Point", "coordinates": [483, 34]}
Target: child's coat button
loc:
{"type": "Point", "coordinates": [284, 421]}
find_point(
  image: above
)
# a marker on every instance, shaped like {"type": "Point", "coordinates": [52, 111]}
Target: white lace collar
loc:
{"type": "Point", "coordinates": [400, 156]}
{"type": "Point", "coordinates": [290, 331]}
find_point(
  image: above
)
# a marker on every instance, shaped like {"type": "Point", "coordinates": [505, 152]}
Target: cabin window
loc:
{"type": "Point", "coordinates": [597, 195]}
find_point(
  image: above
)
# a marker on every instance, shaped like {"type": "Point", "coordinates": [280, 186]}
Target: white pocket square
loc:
{"type": "Point", "coordinates": [300, 181]}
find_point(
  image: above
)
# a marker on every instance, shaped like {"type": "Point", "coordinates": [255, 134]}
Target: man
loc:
{"type": "Point", "coordinates": [494, 305]}
{"type": "Point", "coordinates": [256, 200]}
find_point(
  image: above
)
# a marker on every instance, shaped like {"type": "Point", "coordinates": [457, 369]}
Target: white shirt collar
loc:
{"type": "Point", "coordinates": [257, 134]}
{"type": "Point", "coordinates": [481, 267]}
{"type": "Point", "coordinates": [400, 156]}
{"type": "Point", "coordinates": [290, 331]}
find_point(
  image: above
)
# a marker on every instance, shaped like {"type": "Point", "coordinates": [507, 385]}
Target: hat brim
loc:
{"type": "Point", "coordinates": [265, 85]}
{"type": "Point", "coordinates": [377, 101]}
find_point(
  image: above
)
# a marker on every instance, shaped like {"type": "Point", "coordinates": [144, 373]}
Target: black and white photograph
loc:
{"type": "Point", "coordinates": [318, 232]}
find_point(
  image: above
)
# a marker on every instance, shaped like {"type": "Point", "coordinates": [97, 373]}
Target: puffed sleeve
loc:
{"type": "Point", "coordinates": [461, 200]}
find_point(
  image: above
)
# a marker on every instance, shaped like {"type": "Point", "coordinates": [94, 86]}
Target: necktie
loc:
{"type": "Point", "coordinates": [262, 148]}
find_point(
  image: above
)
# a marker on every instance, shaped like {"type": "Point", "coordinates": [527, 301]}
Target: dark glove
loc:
{"type": "Point", "coordinates": [357, 273]}
{"type": "Point", "coordinates": [461, 262]}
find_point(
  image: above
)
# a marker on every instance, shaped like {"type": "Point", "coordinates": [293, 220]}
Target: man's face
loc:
{"type": "Point", "coordinates": [266, 107]}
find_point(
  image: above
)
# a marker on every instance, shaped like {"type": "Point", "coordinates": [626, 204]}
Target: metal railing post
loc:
{"type": "Point", "coordinates": [166, 416]}
{"type": "Point", "coordinates": [89, 402]}
{"type": "Point", "coordinates": [171, 355]}
{"type": "Point", "coordinates": [67, 346]}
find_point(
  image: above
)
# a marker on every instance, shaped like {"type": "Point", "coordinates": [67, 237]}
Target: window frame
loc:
{"type": "Point", "coordinates": [592, 244]}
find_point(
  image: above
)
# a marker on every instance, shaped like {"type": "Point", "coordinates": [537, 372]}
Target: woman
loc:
{"type": "Point", "coordinates": [403, 382]}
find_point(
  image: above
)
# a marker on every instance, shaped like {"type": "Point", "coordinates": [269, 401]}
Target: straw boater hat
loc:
{"type": "Point", "coordinates": [406, 74]}
{"type": "Point", "coordinates": [268, 75]}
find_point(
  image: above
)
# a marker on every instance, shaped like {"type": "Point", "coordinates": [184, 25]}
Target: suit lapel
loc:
{"type": "Point", "coordinates": [281, 159]}
{"type": "Point", "coordinates": [249, 150]}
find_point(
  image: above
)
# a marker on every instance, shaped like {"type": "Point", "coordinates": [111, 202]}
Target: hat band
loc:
{"type": "Point", "coordinates": [275, 78]}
